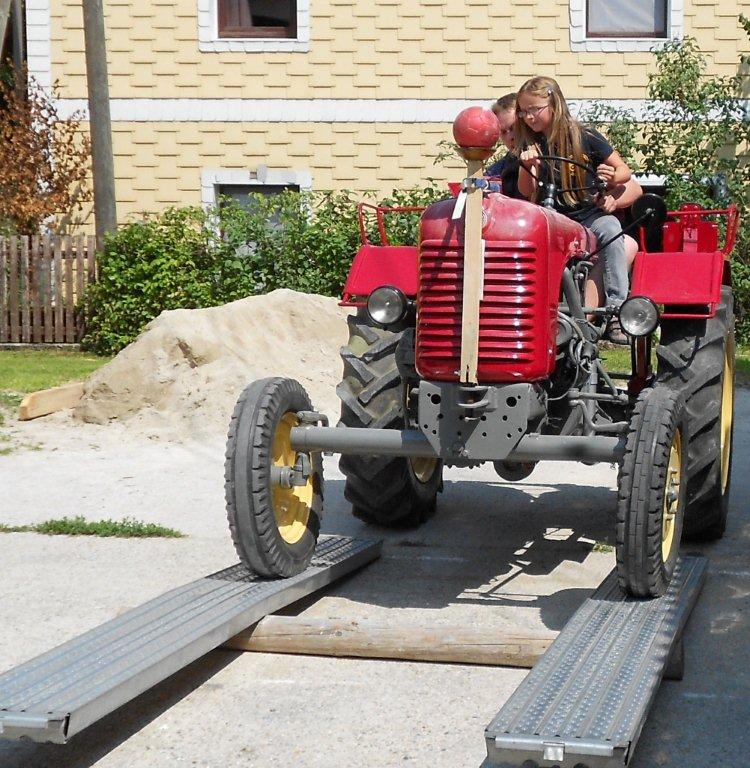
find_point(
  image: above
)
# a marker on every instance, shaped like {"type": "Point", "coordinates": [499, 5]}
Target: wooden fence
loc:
{"type": "Point", "coordinates": [42, 280]}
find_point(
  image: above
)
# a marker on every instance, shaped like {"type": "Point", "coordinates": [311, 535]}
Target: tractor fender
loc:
{"type": "Point", "coordinates": [685, 284]}
{"type": "Point", "coordinates": [376, 265]}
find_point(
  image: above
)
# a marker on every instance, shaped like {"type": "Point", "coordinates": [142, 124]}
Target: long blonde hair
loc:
{"type": "Point", "coordinates": [564, 138]}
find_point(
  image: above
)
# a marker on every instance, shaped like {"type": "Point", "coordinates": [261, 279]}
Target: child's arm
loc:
{"type": "Point", "coordinates": [620, 196]}
{"type": "Point", "coordinates": [528, 173]}
{"type": "Point", "coordinates": [613, 170]}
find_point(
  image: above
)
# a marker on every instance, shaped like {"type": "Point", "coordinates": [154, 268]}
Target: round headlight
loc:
{"type": "Point", "coordinates": [639, 316]}
{"type": "Point", "coordinates": [386, 305]}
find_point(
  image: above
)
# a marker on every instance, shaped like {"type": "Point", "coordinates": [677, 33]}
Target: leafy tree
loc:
{"type": "Point", "coordinates": [44, 160]}
{"type": "Point", "coordinates": [695, 135]}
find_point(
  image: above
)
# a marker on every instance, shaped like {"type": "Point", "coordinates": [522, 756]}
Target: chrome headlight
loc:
{"type": "Point", "coordinates": [387, 305]}
{"type": "Point", "coordinates": [639, 316]}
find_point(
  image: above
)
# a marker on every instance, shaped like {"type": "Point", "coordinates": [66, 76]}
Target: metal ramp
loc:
{"type": "Point", "coordinates": [585, 702]}
{"type": "Point", "coordinates": [59, 693]}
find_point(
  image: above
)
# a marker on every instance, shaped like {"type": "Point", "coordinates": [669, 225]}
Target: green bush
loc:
{"type": "Point", "coordinates": [190, 258]}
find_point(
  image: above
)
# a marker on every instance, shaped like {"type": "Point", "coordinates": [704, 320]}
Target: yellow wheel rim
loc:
{"type": "Point", "coordinates": [291, 506]}
{"type": "Point", "coordinates": [727, 403]}
{"type": "Point", "coordinates": [671, 497]}
{"type": "Point", "coordinates": [423, 468]}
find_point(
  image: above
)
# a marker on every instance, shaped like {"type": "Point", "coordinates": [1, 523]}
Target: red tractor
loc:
{"type": "Point", "coordinates": [475, 346]}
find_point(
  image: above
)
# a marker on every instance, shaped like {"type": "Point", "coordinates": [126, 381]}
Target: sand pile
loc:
{"type": "Point", "coordinates": [183, 374]}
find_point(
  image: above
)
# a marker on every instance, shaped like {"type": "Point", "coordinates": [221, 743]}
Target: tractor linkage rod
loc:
{"type": "Point", "coordinates": [410, 442]}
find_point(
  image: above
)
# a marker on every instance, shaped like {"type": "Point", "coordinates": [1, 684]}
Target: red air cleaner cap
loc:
{"type": "Point", "coordinates": [476, 127]}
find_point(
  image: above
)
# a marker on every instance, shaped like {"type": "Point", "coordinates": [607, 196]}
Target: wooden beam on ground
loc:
{"type": "Point", "coordinates": [408, 642]}
{"type": "Point", "coordinates": [48, 401]}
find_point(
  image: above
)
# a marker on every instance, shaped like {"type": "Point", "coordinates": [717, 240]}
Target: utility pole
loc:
{"type": "Point", "coordinates": [19, 45]}
{"type": "Point", "coordinates": [99, 118]}
{"type": "Point", "coordinates": [4, 13]}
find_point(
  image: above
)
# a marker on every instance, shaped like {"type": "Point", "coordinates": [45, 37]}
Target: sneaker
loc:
{"type": "Point", "coordinates": [615, 334]}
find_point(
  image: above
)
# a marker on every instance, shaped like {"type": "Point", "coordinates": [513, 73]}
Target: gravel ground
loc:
{"type": "Point", "coordinates": [516, 556]}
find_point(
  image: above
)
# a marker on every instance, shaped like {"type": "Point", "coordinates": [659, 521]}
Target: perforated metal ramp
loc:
{"type": "Point", "coordinates": [57, 694]}
{"type": "Point", "coordinates": [585, 702]}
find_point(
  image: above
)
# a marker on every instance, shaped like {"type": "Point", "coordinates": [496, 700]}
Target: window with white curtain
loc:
{"type": "Point", "coordinates": [626, 18]}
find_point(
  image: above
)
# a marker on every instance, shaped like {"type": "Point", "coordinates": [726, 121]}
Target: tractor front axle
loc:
{"type": "Point", "coordinates": [410, 442]}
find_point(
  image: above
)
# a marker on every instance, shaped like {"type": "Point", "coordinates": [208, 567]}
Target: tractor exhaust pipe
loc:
{"type": "Point", "coordinates": [394, 442]}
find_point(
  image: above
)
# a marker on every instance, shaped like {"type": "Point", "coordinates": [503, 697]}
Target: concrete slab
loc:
{"type": "Point", "coordinates": [518, 556]}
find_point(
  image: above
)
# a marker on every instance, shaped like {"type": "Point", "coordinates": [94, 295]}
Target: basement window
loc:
{"type": "Point", "coordinates": [240, 193]}
{"type": "Point", "coordinates": [238, 183]}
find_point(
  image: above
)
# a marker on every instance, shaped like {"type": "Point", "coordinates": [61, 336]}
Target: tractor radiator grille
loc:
{"type": "Point", "coordinates": [506, 318]}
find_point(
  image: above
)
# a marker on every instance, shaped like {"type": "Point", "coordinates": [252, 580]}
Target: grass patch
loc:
{"type": "Point", "coordinates": [615, 359]}
{"type": "Point", "coordinates": [618, 359]}
{"type": "Point", "coordinates": [10, 399]}
{"type": "Point", "coordinates": [742, 366]}
{"type": "Point", "coordinates": [602, 546]}
{"type": "Point", "coordinates": [78, 526]}
{"type": "Point", "coordinates": [29, 370]}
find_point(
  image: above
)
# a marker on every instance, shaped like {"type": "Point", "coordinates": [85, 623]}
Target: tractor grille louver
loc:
{"type": "Point", "coordinates": [507, 311]}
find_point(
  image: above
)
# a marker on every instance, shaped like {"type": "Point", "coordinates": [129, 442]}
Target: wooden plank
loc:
{"type": "Point", "coordinates": [4, 331]}
{"type": "Point", "coordinates": [80, 266]}
{"type": "Point", "coordinates": [91, 259]}
{"type": "Point", "coordinates": [15, 331]}
{"type": "Point", "coordinates": [429, 642]}
{"type": "Point", "coordinates": [25, 291]}
{"type": "Point", "coordinates": [70, 319]}
{"type": "Point", "coordinates": [57, 289]}
{"type": "Point", "coordinates": [80, 280]}
{"type": "Point", "coordinates": [46, 283]}
{"type": "Point", "coordinates": [48, 401]}
{"type": "Point", "coordinates": [36, 295]}
{"type": "Point", "coordinates": [473, 277]}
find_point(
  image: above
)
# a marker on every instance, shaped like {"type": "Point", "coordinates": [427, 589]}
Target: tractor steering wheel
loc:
{"type": "Point", "coordinates": [598, 186]}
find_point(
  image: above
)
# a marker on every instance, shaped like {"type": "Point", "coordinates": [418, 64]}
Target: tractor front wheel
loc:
{"type": "Point", "coordinates": [274, 524]}
{"type": "Point", "coordinates": [651, 498]}
{"type": "Point", "coordinates": [696, 357]}
{"type": "Point", "coordinates": [392, 491]}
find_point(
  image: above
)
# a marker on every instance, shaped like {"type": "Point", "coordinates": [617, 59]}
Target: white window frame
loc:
{"type": "Point", "coordinates": [579, 41]}
{"type": "Point", "coordinates": [211, 180]}
{"type": "Point", "coordinates": [210, 42]}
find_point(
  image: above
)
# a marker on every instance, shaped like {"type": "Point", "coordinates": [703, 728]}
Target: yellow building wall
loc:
{"type": "Point", "coordinates": [158, 164]}
{"type": "Point", "coordinates": [378, 49]}
{"type": "Point", "coordinates": [382, 49]}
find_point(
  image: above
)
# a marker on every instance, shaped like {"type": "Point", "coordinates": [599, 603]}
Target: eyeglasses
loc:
{"type": "Point", "coordinates": [531, 111]}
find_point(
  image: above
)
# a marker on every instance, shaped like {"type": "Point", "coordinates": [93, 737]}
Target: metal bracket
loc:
{"type": "Point", "coordinates": [298, 475]}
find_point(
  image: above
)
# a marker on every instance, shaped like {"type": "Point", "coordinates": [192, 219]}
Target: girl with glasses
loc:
{"type": "Point", "coordinates": [545, 127]}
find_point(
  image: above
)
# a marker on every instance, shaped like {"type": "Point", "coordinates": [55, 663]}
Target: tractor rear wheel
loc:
{"type": "Point", "coordinates": [393, 491]}
{"type": "Point", "coordinates": [274, 525]}
{"type": "Point", "coordinates": [696, 357]}
{"type": "Point", "coordinates": [651, 495]}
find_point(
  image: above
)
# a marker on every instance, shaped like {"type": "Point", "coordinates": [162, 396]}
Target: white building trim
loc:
{"type": "Point", "coordinates": [262, 176]}
{"type": "Point", "coordinates": [210, 42]}
{"type": "Point", "coordinates": [39, 41]}
{"type": "Point", "coordinates": [144, 110]}
{"type": "Point", "coordinates": [579, 41]}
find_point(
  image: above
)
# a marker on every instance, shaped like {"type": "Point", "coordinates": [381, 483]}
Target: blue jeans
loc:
{"type": "Point", "coordinates": [616, 282]}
